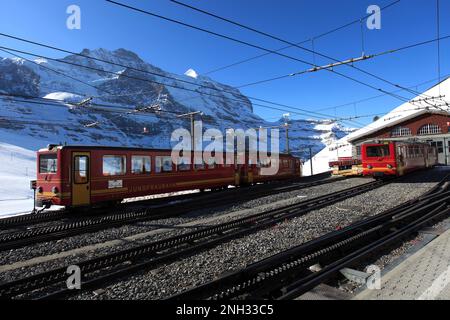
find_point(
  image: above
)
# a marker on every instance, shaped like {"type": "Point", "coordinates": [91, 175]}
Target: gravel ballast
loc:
{"type": "Point", "coordinates": [205, 266]}
{"type": "Point", "coordinates": [169, 225]}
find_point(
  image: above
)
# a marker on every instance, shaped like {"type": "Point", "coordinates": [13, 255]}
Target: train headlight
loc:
{"type": "Point", "coordinates": [55, 190]}
{"type": "Point", "coordinates": [389, 166]}
{"type": "Point", "coordinates": [369, 167]}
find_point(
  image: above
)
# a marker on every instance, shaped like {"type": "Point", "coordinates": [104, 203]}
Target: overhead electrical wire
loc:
{"type": "Point", "coordinates": [127, 111]}
{"type": "Point", "coordinates": [289, 43]}
{"type": "Point", "coordinates": [293, 74]}
{"type": "Point", "coordinates": [328, 117]}
{"type": "Point", "coordinates": [305, 112]}
{"type": "Point", "coordinates": [311, 39]}
{"type": "Point", "coordinates": [251, 45]}
{"type": "Point", "coordinates": [55, 71]}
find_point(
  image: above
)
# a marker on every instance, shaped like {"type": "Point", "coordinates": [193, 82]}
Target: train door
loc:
{"type": "Point", "coordinates": [81, 184]}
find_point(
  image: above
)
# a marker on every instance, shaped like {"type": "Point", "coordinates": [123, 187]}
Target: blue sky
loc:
{"type": "Point", "coordinates": [176, 49]}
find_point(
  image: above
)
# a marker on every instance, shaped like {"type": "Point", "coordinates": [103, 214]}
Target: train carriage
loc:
{"type": "Point", "coordinates": [391, 158]}
{"type": "Point", "coordinates": [75, 176]}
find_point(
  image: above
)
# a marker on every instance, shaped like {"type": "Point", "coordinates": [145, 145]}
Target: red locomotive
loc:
{"type": "Point", "coordinates": [396, 158]}
{"type": "Point", "coordinates": [75, 176]}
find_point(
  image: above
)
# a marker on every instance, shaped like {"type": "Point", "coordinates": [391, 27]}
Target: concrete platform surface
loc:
{"type": "Point", "coordinates": [423, 276]}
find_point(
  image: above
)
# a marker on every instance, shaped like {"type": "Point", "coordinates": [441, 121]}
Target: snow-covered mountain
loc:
{"type": "Point", "coordinates": [123, 88]}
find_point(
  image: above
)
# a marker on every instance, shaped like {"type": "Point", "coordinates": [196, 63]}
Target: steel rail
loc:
{"type": "Point", "coordinates": [46, 216]}
{"type": "Point", "coordinates": [174, 248]}
{"type": "Point", "coordinates": [18, 239]}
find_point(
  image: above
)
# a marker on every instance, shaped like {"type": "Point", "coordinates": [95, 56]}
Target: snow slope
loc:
{"type": "Point", "coordinates": [18, 167]}
{"type": "Point", "coordinates": [343, 147]}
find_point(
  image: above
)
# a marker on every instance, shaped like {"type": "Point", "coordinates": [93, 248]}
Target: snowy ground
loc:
{"type": "Point", "coordinates": [17, 168]}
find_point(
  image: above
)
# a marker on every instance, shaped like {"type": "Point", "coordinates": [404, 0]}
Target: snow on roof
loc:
{"type": "Point", "coordinates": [409, 110]}
{"type": "Point", "coordinates": [66, 96]}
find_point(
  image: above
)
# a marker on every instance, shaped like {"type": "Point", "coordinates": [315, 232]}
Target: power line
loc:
{"type": "Point", "coordinates": [438, 19]}
{"type": "Point", "coordinates": [375, 97]}
{"type": "Point", "coordinates": [366, 57]}
{"type": "Point", "coordinates": [327, 118]}
{"type": "Point", "coordinates": [305, 112]}
{"type": "Point", "coordinates": [249, 44]}
{"type": "Point", "coordinates": [126, 111]}
{"type": "Point", "coordinates": [308, 113]}
{"type": "Point", "coordinates": [55, 71]}
{"type": "Point", "coordinates": [312, 39]}
{"type": "Point", "coordinates": [296, 45]}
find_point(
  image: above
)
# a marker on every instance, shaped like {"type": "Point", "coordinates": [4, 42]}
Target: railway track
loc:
{"type": "Point", "coordinates": [101, 270]}
{"type": "Point", "coordinates": [18, 239]}
{"type": "Point", "coordinates": [287, 275]}
{"type": "Point", "coordinates": [28, 220]}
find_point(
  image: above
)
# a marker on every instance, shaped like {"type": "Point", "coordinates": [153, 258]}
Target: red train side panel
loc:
{"type": "Point", "coordinates": [81, 176]}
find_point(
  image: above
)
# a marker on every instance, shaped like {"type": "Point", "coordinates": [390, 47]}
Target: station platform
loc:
{"type": "Point", "coordinates": [425, 275]}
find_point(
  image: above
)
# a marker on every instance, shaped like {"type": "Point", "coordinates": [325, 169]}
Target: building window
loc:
{"type": "Point", "coordinates": [114, 165]}
{"type": "Point", "coordinates": [401, 132]}
{"type": "Point", "coordinates": [163, 164]}
{"type": "Point", "coordinates": [429, 129]}
{"type": "Point", "coordinates": [140, 164]}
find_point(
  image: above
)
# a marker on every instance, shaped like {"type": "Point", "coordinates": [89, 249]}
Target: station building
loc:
{"type": "Point", "coordinates": [425, 118]}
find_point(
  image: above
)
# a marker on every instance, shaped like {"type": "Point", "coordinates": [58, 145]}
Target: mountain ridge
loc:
{"type": "Point", "coordinates": [222, 105]}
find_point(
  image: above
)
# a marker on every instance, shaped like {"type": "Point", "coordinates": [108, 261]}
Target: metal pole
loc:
{"type": "Point", "coordinates": [192, 134]}
{"type": "Point", "coordinates": [34, 201]}
{"type": "Point", "coordinates": [191, 116]}
{"type": "Point", "coordinates": [287, 139]}
{"type": "Point", "coordinates": [310, 160]}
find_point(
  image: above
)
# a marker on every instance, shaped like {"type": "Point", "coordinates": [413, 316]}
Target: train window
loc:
{"type": "Point", "coordinates": [81, 169]}
{"type": "Point", "coordinates": [378, 151]}
{"type": "Point", "coordinates": [265, 163]}
{"type": "Point", "coordinates": [48, 163]}
{"type": "Point", "coordinates": [199, 166]}
{"type": "Point", "coordinates": [183, 165]}
{"type": "Point", "coordinates": [141, 164]}
{"type": "Point", "coordinates": [358, 151]}
{"type": "Point", "coordinates": [211, 163]}
{"type": "Point", "coordinates": [114, 165]}
{"type": "Point", "coordinates": [163, 164]}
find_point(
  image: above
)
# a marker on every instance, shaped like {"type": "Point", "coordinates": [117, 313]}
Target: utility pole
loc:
{"type": "Point", "coordinates": [286, 125]}
{"type": "Point", "coordinates": [287, 137]}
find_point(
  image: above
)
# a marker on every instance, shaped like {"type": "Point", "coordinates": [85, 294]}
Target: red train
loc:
{"type": "Point", "coordinates": [396, 158]}
{"type": "Point", "coordinates": [75, 176]}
